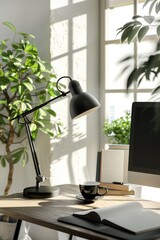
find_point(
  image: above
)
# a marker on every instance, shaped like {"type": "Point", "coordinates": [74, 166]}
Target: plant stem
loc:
{"type": "Point", "coordinates": [9, 159]}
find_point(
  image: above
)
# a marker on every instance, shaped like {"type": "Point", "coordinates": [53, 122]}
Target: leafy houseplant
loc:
{"type": "Point", "coordinates": [25, 80]}
{"type": "Point", "coordinates": [118, 130]}
{"type": "Point", "coordinates": [136, 30]}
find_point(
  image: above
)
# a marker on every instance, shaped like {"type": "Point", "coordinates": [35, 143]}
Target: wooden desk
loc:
{"type": "Point", "coordinates": [45, 212]}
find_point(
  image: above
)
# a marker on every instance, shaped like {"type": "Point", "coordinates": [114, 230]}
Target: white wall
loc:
{"type": "Point", "coordinates": [73, 157]}
{"type": "Point", "coordinates": [30, 17]}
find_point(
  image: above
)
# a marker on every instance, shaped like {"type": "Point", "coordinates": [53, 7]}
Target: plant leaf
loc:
{"type": "Point", "coordinates": [29, 86]}
{"type": "Point", "coordinates": [149, 19]}
{"type": "Point", "coordinates": [146, 2]}
{"type": "Point", "coordinates": [157, 9]}
{"type": "Point", "coordinates": [151, 6]}
{"type": "Point", "coordinates": [158, 31]}
{"type": "Point", "coordinates": [4, 80]}
{"type": "Point", "coordinates": [142, 32]}
{"type": "Point", "coordinates": [26, 35]}
{"type": "Point", "coordinates": [10, 25]}
{"type": "Point", "coordinates": [132, 23]}
{"type": "Point", "coordinates": [33, 127]}
{"type": "Point", "coordinates": [17, 154]}
{"type": "Point", "coordinates": [3, 101]}
{"type": "Point", "coordinates": [137, 16]}
{"type": "Point", "coordinates": [134, 75]}
{"type": "Point", "coordinates": [133, 34]}
{"type": "Point", "coordinates": [126, 33]}
{"type": "Point", "coordinates": [51, 112]}
{"type": "Point", "coordinates": [156, 90]}
{"type": "Point", "coordinates": [3, 160]}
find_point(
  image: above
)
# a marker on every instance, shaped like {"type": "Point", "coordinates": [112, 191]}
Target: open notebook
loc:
{"type": "Point", "coordinates": [130, 216]}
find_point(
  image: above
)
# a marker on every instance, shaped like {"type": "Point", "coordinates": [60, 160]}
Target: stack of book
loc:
{"type": "Point", "coordinates": [118, 189]}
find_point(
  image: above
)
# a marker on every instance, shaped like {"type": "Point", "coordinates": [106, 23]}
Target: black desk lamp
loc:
{"type": "Point", "coordinates": [81, 103]}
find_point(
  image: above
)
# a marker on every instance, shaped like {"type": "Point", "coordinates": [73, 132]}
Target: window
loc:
{"type": "Point", "coordinates": [114, 99]}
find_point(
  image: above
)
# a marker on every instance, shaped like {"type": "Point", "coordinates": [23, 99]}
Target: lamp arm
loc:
{"type": "Point", "coordinates": [63, 94]}
{"type": "Point", "coordinates": [39, 176]}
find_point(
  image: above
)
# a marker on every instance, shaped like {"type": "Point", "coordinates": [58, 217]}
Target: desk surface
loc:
{"type": "Point", "coordinates": [45, 212]}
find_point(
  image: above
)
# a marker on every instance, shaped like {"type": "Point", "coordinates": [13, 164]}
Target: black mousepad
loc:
{"type": "Point", "coordinates": [110, 231]}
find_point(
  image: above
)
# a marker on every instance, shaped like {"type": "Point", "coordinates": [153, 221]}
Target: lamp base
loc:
{"type": "Point", "coordinates": [42, 192]}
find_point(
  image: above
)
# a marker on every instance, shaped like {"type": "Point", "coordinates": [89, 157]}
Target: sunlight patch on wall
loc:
{"type": "Point", "coordinates": [60, 173]}
{"type": "Point", "coordinates": [62, 109]}
{"type": "Point", "coordinates": [79, 31]}
{"type": "Point", "coordinates": [70, 168]}
{"type": "Point", "coordinates": [80, 68]}
{"type": "Point", "coordinates": [59, 38]}
{"type": "Point", "coordinates": [54, 4]}
{"type": "Point", "coordinates": [79, 129]}
{"type": "Point", "coordinates": [78, 1]}
{"type": "Point", "coordinates": [61, 66]}
{"type": "Point", "coordinates": [79, 165]}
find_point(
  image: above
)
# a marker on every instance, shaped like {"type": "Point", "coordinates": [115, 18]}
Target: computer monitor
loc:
{"type": "Point", "coordinates": [144, 149]}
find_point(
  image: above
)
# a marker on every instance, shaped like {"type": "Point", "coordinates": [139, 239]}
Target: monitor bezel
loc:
{"type": "Point", "coordinates": [141, 176]}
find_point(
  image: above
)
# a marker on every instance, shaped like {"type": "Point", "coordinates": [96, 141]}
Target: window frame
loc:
{"type": "Point", "coordinates": [103, 43]}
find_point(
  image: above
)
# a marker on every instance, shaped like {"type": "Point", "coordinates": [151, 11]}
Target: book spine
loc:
{"type": "Point", "coordinates": [123, 187]}
{"type": "Point", "coordinates": [120, 192]}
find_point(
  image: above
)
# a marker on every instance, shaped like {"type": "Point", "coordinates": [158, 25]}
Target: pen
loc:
{"type": "Point", "coordinates": [120, 183]}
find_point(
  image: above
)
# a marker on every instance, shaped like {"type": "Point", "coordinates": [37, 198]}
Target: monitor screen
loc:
{"type": "Point", "coordinates": [144, 150]}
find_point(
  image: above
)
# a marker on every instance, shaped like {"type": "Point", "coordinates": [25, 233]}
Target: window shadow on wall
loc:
{"type": "Point", "coordinates": [70, 51]}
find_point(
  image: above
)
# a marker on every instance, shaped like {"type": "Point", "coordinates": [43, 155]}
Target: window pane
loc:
{"type": "Point", "coordinates": [116, 17]}
{"type": "Point", "coordinates": [146, 48]}
{"type": "Point", "coordinates": [143, 97]}
{"type": "Point", "coordinates": [113, 69]}
{"type": "Point", "coordinates": [117, 104]}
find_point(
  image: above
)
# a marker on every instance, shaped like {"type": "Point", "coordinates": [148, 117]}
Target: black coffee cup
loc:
{"type": "Point", "coordinates": [90, 190]}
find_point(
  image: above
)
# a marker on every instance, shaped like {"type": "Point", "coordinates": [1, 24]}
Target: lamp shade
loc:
{"type": "Point", "coordinates": [81, 102]}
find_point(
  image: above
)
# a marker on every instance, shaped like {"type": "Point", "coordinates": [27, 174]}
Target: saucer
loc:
{"type": "Point", "coordinates": [81, 198]}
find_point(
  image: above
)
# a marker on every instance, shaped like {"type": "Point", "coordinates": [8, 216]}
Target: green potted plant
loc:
{"type": "Point", "coordinates": [118, 130]}
{"type": "Point", "coordinates": [25, 81]}
{"type": "Point", "coordinates": [136, 30]}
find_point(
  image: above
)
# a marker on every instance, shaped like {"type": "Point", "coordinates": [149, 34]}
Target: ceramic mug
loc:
{"type": "Point", "coordinates": [90, 190]}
